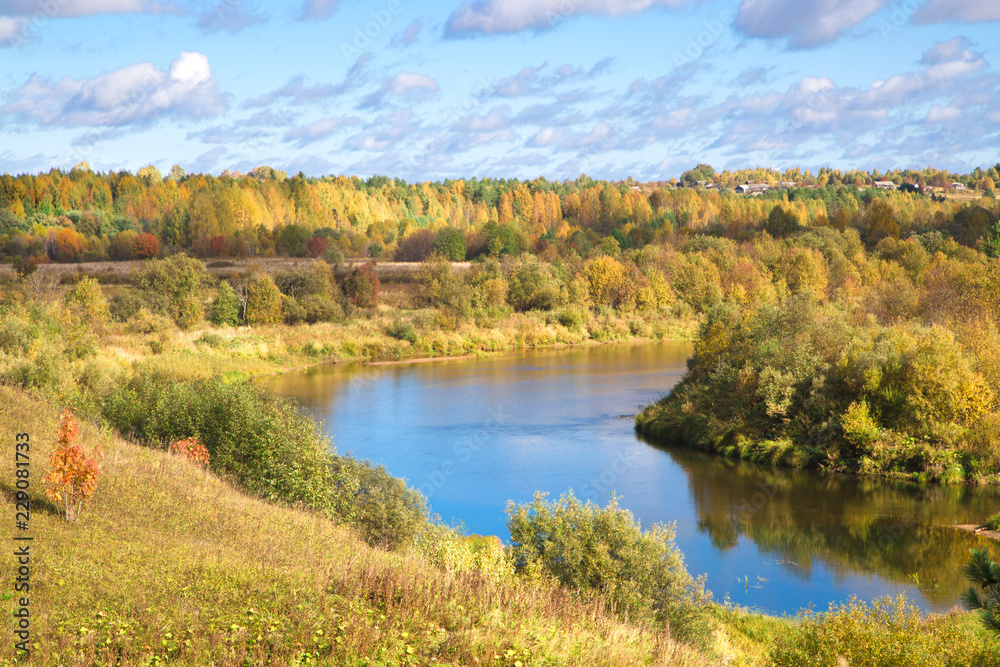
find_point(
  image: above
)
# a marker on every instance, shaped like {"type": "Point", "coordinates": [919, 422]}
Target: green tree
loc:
{"type": "Point", "coordinates": [781, 222]}
{"type": "Point", "coordinates": [263, 304]}
{"type": "Point", "coordinates": [984, 574]}
{"type": "Point", "coordinates": [177, 279]}
{"type": "Point", "coordinates": [225, 308]}
{"type": "Point", "coordinates": [87, 299]}
{"type": "Point", "coordinates": [451, 244]}
{"type": "Point", "coordinates": [702, 172]}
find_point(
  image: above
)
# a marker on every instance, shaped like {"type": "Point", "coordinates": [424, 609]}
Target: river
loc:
{"type": "Point", "coordinates": [472, 434]}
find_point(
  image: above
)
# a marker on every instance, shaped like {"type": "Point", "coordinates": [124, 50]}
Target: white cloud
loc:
{"type": "Point", "coordinates": [408, 85]}
{"type": "Point", "coordinates": [320, 129]}
{"type": "Point", "coordinates": [21, 19]}
{"type": "Point", "coordinates": [938, 114]}
{"type": "Point", "coordinates": [507, 16]}
{"type": "Point", "coordinates": [547, 137]}
{"type": "Point", "coordinates": [948, 11]}
{"type": "Point", "coordinates": [805, 23]}
{"type": "Point", "coordinates": [134, 95]}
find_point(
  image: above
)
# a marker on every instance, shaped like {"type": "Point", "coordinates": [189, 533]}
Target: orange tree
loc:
{"type": "Point", "coordinates": [73, 475]}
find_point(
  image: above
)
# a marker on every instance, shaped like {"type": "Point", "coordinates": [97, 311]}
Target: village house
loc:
{"type": "Point", "coordinates": [884, 185]}
{"type": "Point", "coordinates": [957, 186]}
{"type": "Point", "coordinates": [751, 189]}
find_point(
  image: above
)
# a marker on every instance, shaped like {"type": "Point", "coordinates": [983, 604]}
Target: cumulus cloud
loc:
{"type": "Point", "coordinates": [18, 17]}
{"type": "Point", "coordinates": [946, 11]}
{"type": "Point", "coordinates": [320, 129]}
{"type": "Point", "coordinates": [134, 95]}
{"type": "Point", "coordinates": [507, 16]}
{"type": "Point", "coordinates": [406, 85]}
{"type": "Point", "coordinates": [540, 80]}
{"type": "Point", "coordinates": [804, 23]}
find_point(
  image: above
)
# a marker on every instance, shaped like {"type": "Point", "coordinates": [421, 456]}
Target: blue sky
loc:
{"type": "Point", "coordinates": [518, 88]}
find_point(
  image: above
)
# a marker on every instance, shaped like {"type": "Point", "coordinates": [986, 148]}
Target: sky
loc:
{"type": "Point", "coordinates": [436, 89]}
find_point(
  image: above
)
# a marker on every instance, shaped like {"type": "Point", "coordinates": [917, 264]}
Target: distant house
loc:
{"type": "Point", "coordinates": [884, 185]}
{"type": "Point", "coordinates": [752, 188]}
{"type": "Point", "coordinates": [708, 185]}
{"type": "Point", "coordinates": [788, 184]}
{"type": "Point", "coordinates": [958, 186]}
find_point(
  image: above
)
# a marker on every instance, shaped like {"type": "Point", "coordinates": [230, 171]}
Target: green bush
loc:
{"type": "Point", "coordinates": [531, 286]}
{"type": "Point", "coordinates": [316, 278]}
{"type": "Point", "coordinates": [87, 300]}
{"type": "Point", "coordinates": [887, 633]}
{"type": "Point", "coordinates": [292, 310]}
{"type": "Point", "coordinates": [263, 300]}
{"type": "Point", "coordinates": [603, 552]}
{"type": "Point", "coordinates": [226, 307]}
{"type": "Point", "coordinates": [320, 309]}
{"type": "Point", "coordinates": [259, 440]}
{"type": "Point", "coordinates": [387, 512]}
{"type": "Point", "coordinates": [125, 307]}
{"type": "Point", "coordinates": [178, 279]}
{"type": "Point", "coordinates": [450, 243]}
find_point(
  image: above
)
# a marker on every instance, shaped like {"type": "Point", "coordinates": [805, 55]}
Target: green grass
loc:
{"type": "Point", "coordinates": [172, 565]}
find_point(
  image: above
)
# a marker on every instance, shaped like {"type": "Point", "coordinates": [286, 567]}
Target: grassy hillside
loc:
{"type": "Point", "coordinates": [171, 564]}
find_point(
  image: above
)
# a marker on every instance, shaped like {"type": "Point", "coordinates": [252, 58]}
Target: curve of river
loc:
{"type": "Point", "coordinates": [472, 434]}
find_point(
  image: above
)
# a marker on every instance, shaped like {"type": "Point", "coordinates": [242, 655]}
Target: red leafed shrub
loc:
{"type": "Point", "coordinates": [316, 246]}
{"type": "Point", "coordinates": [73, 474]}
{"type": "Point", "coordinates": [218, 245]}
{"type": "Point", "coordinates": [146, 246]}
{"type": "Point", "coordinates": [191, 449]}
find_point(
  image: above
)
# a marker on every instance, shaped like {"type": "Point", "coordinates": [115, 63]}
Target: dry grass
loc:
{"type": "Point", "coordinates": [171, 564]}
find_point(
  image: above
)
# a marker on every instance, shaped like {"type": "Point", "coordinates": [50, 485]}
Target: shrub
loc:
{"type": "Point", "coordinates": [263, 304]}
{"type": "Point", "coordinates": [319, 308]}
{"type": "Point", "coordinates": [178, 279]}
{"type": "Point", "coordinates": [603, 552]}
{"type": "Point", "coordinates": [316, 278]}
{"type": "Point", "coordinates": [73, 475]}
{"type": "Point", "coordinates": [416, 246]}
{"type": "Point", "coordinates": [388, 513]}
{"type": "Point", "coordinates": [87, 300]}
{"type": "Point", "coordinates": [225, 308]}
{"type": "Point", "coordinates": [362, 286]}
{"type": "Point", "coordinates": [192, 450]}
{"type": "Point", "coordinates": [887, 633]}
{"type": "Point", "coordinates": [259, 440]}
{"type": "Point", "coordinates": [292, 310]}
{"type": "Point", "coordinates": [531, 286]}
{"type": "Point", "coordinates": [124, 307]}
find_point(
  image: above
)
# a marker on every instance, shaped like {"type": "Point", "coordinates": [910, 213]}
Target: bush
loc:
{"type": "Point", "coordinates": [416, 247]}
{"type": "Point", "coordinates": [177, 278]}
{"type": "Point", "coordinates": [87, 300]}
{"type": "Point", "coordinates": [73, 475]}
{"type": "Point", "coordinates": [260, 441]}
{"type": "Point", "coordinates": [388, 513]}
{"type": "Point", "coordinates": [603, 552]}
{"type": "Point", "coordinates": [319, 308]}
{"type": "Point", "coordinates": [125, 307]}
{"type": "Point", "coordinates": [316, 278]}
{"type": "Point", "coordinates": [531, 286]}
{"type": "Point", "coordinates": [887, 633]}
{"type": "Point", "coordinates": [362, 286]}
{"type": "Point", "coordinates": [225, 308]}
{"type": "Point", "coordinates": [450, 243]}
{"type": "Point", "coordinates": [263, 304]}
{"type": "Point", "coordinates": [292, 310]}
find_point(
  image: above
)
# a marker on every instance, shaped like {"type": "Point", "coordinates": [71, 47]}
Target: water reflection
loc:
{"type": "Point", "coordinates": [473, 434]}
{"type": "Point", "coordinates": [851, 525]}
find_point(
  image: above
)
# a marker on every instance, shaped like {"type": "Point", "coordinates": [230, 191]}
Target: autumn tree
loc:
{"type": "Point", "coordinates": [263, 300]}
{"type": "Point", "coordinates": [73, 474]}
{"type": "Point", "coordinates": [146, 246]}
{"type": "Point", "coordinates": [362, 286]}
{"type": "Point", "coordinates": [178, 279]}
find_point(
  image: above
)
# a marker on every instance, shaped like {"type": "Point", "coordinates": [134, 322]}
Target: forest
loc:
{"type": "Point", "coordinates": [836, 325]}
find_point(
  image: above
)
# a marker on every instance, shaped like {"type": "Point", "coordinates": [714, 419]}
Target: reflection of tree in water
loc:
{"type": "Point", "coordinates": [852, 525]}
